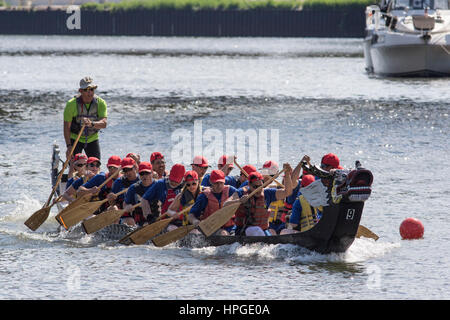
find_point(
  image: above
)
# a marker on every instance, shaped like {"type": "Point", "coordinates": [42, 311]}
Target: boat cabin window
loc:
{"type": "Point", "coordinates": [421, 4]}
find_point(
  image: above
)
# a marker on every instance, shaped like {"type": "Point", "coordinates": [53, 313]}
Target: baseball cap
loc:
{"type": "Point", "coordinates": [87, 82]}
{"type": "Point", "coordinates": [114, 161]}
{"type": "Point", "coordinates": [249, 168]}
{"type": "Point", "coordinates": [93, 159]}
{"type": "Point", "coordinates": [190, 176]}
{"type": "Point", "coordinates": [255, 176]}
{"type": "Point", "coordinates": [307, 179]}
{"type": "Point", "coordinates": [217, 176]}
{"type": "Point", "coordinates": [226, 159]}
{"type": "Point", "coordinates": [145, 167]}
{"type": "Point", "coordinates": [330, 159]}
{"type": "Point", "coordinates": [155, 156]}
{"type": "Point", "coordinates": [177, 173]}
{"type": "Point", "coordinates": [78, 157]}
{"type": "Point", "coordinates": [269, 168]}
{"type": "Point", "coordinates": [127, 163]}
{"type": "Point", "coordinates": [200, 161]}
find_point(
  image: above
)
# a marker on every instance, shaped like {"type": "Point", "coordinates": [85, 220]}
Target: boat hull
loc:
{"type": "Point", "coordinates": [335, 232]}
{"type": "Point", "coordinates": [419, 60]}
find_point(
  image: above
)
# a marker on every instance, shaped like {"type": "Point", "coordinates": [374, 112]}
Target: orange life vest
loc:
{"type": "Point", "coordinates": [214, 205]}
{"type": "Point", "coordinates": [254, 210]}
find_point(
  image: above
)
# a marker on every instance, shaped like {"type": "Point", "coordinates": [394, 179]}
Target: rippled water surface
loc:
{"type": "Point", "coordinates": [313, 91]}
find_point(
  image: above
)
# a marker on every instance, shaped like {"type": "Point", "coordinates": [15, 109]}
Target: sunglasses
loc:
{"type": "Point", "coordinates": [324, 166]}
{"type": "Point", "coordinates": [191, 184]}
{"type": "Point", "coordinates": [87, 89]}
{"type": "Point", "coordinates": [256, 186]}
{"type": "Point", "coordinates": [144, 173]}
{"type": "Point", "coordinates": [79, 165]}
{"type": "Point", "coordinates": [96, 164]}
{"type": "Point", "coordinates": [127, 169]}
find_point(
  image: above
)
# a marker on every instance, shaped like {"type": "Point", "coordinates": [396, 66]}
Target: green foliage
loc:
{"type": "Point", "coordinates": [127, 5]}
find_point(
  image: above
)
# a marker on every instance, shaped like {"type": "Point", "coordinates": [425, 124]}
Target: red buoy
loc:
{"type": "Point", "coordinates": [411, 228]}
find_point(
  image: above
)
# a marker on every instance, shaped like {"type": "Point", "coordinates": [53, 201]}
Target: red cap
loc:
{"type": "Point", "coordinates": [114, 161]}
{"type": "Point", "coordinates": [145, 167]}
{"type": "Point", "coordinates": [190, 176]}
{"type": "Point", "coordinates": [131, 154]}
{"type": "Point", "coordinates": [249, 168]}
{"type": "Point", "coordinates": [223, 160]}
{"type": "Point", "coordinates": [177, 173]}
{"type": "Point", "coordinates": [127, 163]}
{"type": "Point", "coordinates": [155, 156]}
{"type": "Point", "coordinates": [307, 179]}
{"type": "Point", "coordinates": [200, 161]}
{"type": "Point", "coordinates": [255, 176]}
{"type": "Point", "coordinates": [78, 157]}
{"type": "Point", "coordinates": [93, 159]}
{"type": "Point", "coordinates": [269, 168]}
{"type": "Point", "coordinates": [331, 159]}
{"type": "Point", "coordinates": [217, 176]}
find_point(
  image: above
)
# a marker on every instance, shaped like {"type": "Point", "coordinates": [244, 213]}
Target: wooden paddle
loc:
{"type": "Point", "coordinates": [246, 174]}
{"type": "Point", "coordinates": [39, 217]}
{"type": "Point", "coordinates": [215, 221]}
{"type": "Point", "coordinates": [172, 236]}
{"type": "Point", "coordinates": [142, 235]}
{"type": "Point", "coordinates": [104, 219]}
{"type": "Point", "coordinates": [83, 211]}
{"type": "Point", "coordinates": [365, 232]}
{"type": "Point", "coordinates": [67, 211]}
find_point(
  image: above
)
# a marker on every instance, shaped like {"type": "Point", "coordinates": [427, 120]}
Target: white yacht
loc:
{"type": "Point", "coordinates": [408, 38]}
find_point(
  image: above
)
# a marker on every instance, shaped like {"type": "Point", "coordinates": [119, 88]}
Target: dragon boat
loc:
{"type": "Point", "coordinates": [342, 201]}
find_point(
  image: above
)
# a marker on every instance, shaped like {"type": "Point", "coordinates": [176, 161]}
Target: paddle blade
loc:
{"type": "Point", "coordinates": [215, 221]}
{"type": "Point", "coordinates": [37, 218]}
{"type": "Point", "coordinates": [62, 216]}
{"type": "Point", "coordinates": [142, 235]}
{"type": "Point", "coordinates": [102, 220]}
{"type": "Point", "coordinates": [172, 236]}
{"type": "Point", "coordinates": [365, 232]}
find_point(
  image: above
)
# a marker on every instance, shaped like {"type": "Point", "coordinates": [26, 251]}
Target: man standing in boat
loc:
{"type": "Point", "coordinates": [85, 108]}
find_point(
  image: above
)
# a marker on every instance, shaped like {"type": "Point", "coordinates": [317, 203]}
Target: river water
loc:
{"type": "Point", "coordinates": [311, 94]}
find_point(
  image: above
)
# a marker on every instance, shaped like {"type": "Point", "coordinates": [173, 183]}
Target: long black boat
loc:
{"type": "Point", "coordinates": [335, 231]}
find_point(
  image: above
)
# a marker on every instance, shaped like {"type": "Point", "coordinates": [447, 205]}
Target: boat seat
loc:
{"type": "Point", "coordinates": [423, 23]}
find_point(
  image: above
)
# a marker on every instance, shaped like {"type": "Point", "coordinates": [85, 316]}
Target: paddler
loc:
{"type": "Point", "coordinates": [128, 178]}
{"type": "Point", "coordinates": [90, 186]}
{"type": "Point", "coordinates": [163, 190]}
{"type": "Point", "coordinates": [77, 168]}
{"type": "Point", "coordinates": [303, 216]}
{"type": "Point", "coordinates": [200, 165]}
{"type": "Point", "coordinates": [184, 199]}
{"type": "Point", "coordinates": [159, 164]}
{"type": "Point", "coordinates": [134, 195]}
{"type": "Point", "coordinates": [212, 199]}
{"type": "Point", "coordinates": [89, 109]}
{"type": "Point", "coordinates": [93, 168]}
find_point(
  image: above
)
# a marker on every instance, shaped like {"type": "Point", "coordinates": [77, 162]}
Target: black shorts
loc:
{"type": "Point", "coordinates": [91, 149]}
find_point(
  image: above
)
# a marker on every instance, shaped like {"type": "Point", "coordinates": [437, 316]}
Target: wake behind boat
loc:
{"type": "Point", "coordinates": [408, 38]}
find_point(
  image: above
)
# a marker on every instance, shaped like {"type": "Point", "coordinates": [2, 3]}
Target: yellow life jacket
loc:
{"type": "Point", "coordinates": [276, 208]}
{"type": "Point", "coordinates": [308, 215]}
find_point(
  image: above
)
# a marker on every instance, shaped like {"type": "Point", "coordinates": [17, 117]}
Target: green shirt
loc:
{"type": "Point", "coordinates": [71, 111]}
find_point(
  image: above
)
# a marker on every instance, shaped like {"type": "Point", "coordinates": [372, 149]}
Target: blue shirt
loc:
{"type": "Point", "coordinates": [131, 195]}
{"type": "Point", "coordinates": [77, 183]}
{"type": "Point", "coordinates": [158, 191]}
{"type": "Point", "coordinates": [119, 186]}
{"type": "Point", "coordinates": [202, 201]}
